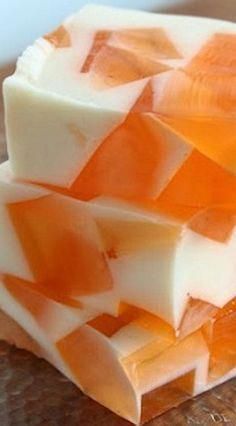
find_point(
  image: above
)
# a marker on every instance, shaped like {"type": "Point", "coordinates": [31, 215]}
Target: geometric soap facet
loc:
{"type": "Point", "coordinates": [118, 206]}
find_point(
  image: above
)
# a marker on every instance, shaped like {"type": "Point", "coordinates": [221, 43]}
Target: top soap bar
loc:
{"type": "Point", "coordinates": [128, 104]}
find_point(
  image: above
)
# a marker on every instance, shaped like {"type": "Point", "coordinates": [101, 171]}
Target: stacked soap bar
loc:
{"type": "Point", "coordinates": [118, 206]}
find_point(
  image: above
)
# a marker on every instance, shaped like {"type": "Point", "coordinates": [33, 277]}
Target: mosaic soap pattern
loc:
{"type": "Point", "coordinates": [117, 209]}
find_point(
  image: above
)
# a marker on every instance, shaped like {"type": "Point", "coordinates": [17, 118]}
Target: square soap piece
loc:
{"type": "Point", "coordinates": [113, 102]}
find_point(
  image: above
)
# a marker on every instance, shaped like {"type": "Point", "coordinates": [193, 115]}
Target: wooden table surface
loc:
{"type": "Point", "coordinates": [34, 393]}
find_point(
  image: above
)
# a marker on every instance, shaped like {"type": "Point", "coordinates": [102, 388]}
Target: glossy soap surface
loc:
{"type": "Point", "coordinates": [118, 206]}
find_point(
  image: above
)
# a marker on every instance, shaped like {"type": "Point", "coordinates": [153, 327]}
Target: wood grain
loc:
{"type": "Point", "coordinates": [34, 393]}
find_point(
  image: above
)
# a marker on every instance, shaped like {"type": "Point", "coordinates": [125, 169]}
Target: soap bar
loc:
{"type": "Point", "coordinates": [102, 254]}
{"type": "Point", "coordinates": [118, 206]}
{"type": "Point", "coordinates": [92, 286]}
{"type": "Point", "coordinates": [150, 369]}
{"type": "Point", "coordinates": [128, 104]}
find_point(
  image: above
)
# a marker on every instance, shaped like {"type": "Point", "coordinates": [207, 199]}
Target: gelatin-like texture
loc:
{"type": "Point", "coordinates": [141, 259]}
{"type": "Point", "coordinates": [199, 183]}
{"type": "Point", "coordinates": [204, 100]}
{"type": "Point", "coordinates": [215, 222]}
{"type": "Point", "coordinates": [118, 206]}
{"type": "Point", "coordinates": [222, 337]}
{"type": "Point", "coordinates": [146, 156]}
{"type": "Point", "coordinates": [119, 57]}
{"type": "Point", "coordinates": [60, 257]}
{"type": "Point", "coordinates": [59, 38]}
{"type": "Point", "coordinates": [129, 65]}
{"type": "Point", "coordinates": [217, 64]}
{"type": "Point", "coordinates": [152, 369]}
{"type": "Point", "coordinates": [122, 67]}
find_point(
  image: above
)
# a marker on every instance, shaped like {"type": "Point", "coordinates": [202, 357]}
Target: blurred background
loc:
{"type": "Point", "coordinates": [21, 21]}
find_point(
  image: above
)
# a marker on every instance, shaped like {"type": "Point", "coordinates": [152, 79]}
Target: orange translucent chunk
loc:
{"type": "Point", "coordinates": [59, 38]}
{"type": "Point", "coordinates": [215, 65]}
{"type": "Point", "coordinates": [115, 66]}
{"type": "Point", "coordinates": [96, 367]}
{"type": "Point", "coordinates": [217, 56]}
{"type": "Point", "coordinates": [216, 223]}
{"type": "Point", "coordinates": [183, 97]}
{"type": "Point", "coordinates": [109, 325]}
{"type": "Point", "coordinates": [168, 396]}
{"type": "Point", "coordinates": [61, 243]}
{"type": "Point", "coordinates": [213, 136]}
{"type": "Point", "coordinates": [200, 183]}
{"type": "Point", "coordinates": [223, 343]}
{"type": "Point", "coordinates": [199, 102]}
{"type": "Point", "coordinates": [120, 57]}
{"type": "Point", "coordinates": [151, 42]}
{"type": "Point", "coordinates": [196, 315]}
{"type": "Point", "coordinates": [228, 309]}
{"type": "Point", "coordinates": [136, 160]}
{"type": "Point", "coordinates": [206, 85]}
{"type": "Point", "coordinates": [100, 40]}
{"type": "Point", "coordinates": [177, 211]}
{"type": "Point", "coordinates": [39, 290]}
{"type": "Point", "coordinates": [36, 304]}
{"type": "Point", "coordinates": [122, 238]}
{"type": "Point", "coordinates": [145, 101]}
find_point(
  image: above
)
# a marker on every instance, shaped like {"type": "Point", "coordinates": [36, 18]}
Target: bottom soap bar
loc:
{"type": "Point", "coordinates": [133, 364]}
